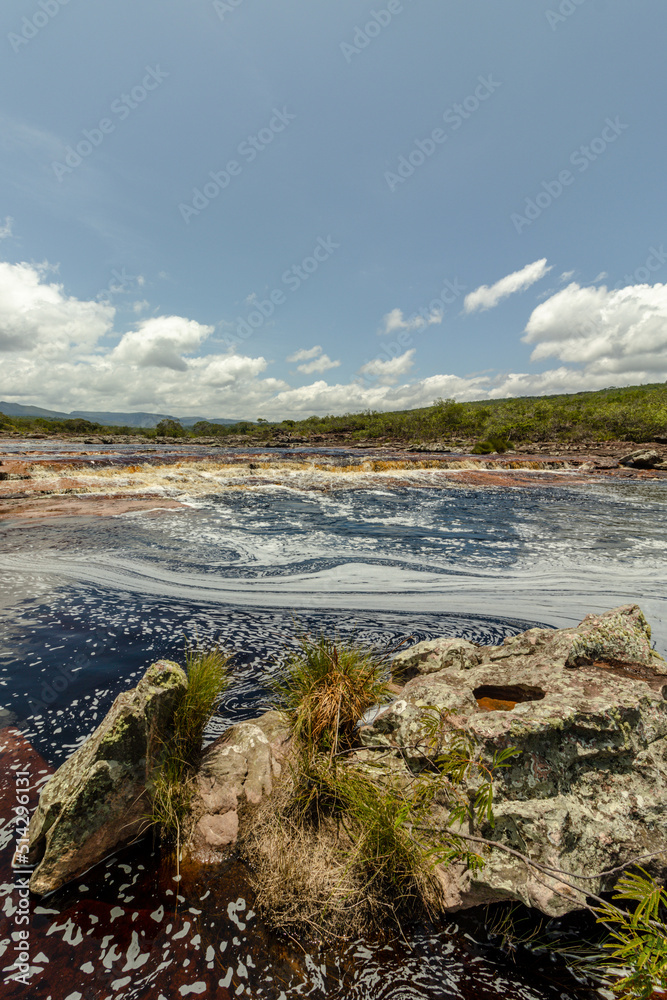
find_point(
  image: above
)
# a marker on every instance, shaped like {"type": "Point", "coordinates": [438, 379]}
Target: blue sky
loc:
{"type": "Point", "coordinates": [242, 209]}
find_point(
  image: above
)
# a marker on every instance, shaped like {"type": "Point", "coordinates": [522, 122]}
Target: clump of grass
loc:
{"type": "Point", "coordinates": [327, 687]}
{"type": "Point", "coordinates": [172, 780]}
{"type": "Point", "coordinates": [208, 677]}
{"type": "Point", "coordinates": [301, 877]}
{"type": "Point", "coordinates": [378, 811]}
{"type": "Point", "coordinates": [337, 854]}
{"type": "Point", "coordinates": [349, 843]}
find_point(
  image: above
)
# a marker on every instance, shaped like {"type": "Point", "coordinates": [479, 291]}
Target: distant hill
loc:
{"type": "Point", "coordinates": [108, 419]}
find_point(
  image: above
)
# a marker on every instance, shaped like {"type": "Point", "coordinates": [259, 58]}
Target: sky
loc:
{"type": "Point", "coordinates": [229, 208]}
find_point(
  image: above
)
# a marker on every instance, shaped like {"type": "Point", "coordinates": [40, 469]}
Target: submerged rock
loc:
{"type": "Point", "coordinates": [98, 800]}
{"type": "Point", "coordinates": [586, 709]}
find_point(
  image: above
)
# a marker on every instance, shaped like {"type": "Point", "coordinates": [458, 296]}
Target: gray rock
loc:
{"type": "Point", "coordinates": [647, 458]}
{"type": "Point", "coordinates": [237, 771]}
{"type": "Point", "coordinates": [98, 800]}
{"type": "Point", "coordinates": [435, 654]}
{"type": "Point", "coordinates": [587, 709]}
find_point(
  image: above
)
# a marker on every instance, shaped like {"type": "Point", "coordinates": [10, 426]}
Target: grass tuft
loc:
{"type": "Point", "coordinates": [207, 672]}
{"type": "Point", "coordinates": [327, 687]}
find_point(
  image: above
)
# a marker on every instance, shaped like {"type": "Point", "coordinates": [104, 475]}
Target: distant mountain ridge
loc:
{"type": "Point", "coordinates": [138, 419]}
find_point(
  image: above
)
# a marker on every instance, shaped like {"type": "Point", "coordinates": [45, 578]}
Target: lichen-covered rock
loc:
{"type": "Point", "coordinates": [435, 654]}
{"type": "Point", "coordinates": [97, 800]}
{"type": "Point", "coordinates": [237, 771]}
{"type": "Point", "coordinates": [586, 708]}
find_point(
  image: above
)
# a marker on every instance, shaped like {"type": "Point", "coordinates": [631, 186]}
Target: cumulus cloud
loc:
{"type": "Point", "coordinates": [314, 360]}
{"type": "Point", "coordinates": [389, 372]}
{"type": "Point", "coordinates": [52, 355]}
{"type": "Point", "coordinates": [35, 315]}
{"type": "Point", "coordinates": [611, 332]}
{"type": "Point", "coordinates": [395, 321]}
{"type": "Point", "coordinates": [161, 341]}
{"type": "Point", "coordinates": [6, 229]}
{"type": "Point", "coordinates": [57, 352]}
{"type": "Point", "coordinates": [321, 364]}
{"type": "Point", "coordinates": [488, 296]}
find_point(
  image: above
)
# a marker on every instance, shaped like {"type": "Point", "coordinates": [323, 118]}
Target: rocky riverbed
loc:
{"type": "Point", "coordinates": [585, 708]}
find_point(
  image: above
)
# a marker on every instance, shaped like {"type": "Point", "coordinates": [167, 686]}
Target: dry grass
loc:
{"type": "Point", "coordinates": [332, 853]}
{"type": "Point", "coordinates": [301, 877]}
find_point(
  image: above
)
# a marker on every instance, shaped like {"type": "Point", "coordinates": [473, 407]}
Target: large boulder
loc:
{"type": "Point", "coordinates": [585, 707]}
{"type": "Point", "coordinates": [98, 800]}
{"type": "Point", "coordinates": [236, 773]}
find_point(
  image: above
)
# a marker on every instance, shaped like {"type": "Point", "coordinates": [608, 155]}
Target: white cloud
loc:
{"type": "Point", "coordinates": [388, 372]}
{"type": "Point", "coordinates": [321, 364]}
{"type": "Point", "coordinates": [6, 229]}
{"type": "Point", "coordinates": [56, 353]}
{"type": "Point", "coordinates": [316, 360]}
{"type": "Point", "coordinates": [611, 332]}
{"type": "Point", "coordinates": [566, 275]}
{"type": "Point", "coordinates": [395, 321]}
{"type": "Point", "coordinates": [35, 315]}
{"type": "Point", "coordinates": [488, 296]}
{"type": "Point", "coordinates": [160, 342]}
{"type": "Point", "coordinates": [305, 354]}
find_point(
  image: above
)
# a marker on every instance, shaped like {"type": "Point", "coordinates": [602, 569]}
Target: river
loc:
{"type": "Point", "coordinates": [87, 602]}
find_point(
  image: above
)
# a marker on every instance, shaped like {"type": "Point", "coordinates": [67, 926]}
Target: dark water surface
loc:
{"type": "Point", "coordinates": [86, 604]}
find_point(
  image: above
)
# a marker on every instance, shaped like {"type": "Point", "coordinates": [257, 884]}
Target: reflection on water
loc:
{"type": "Point", "coordinates": [131, 929]}
{"type": "Point", "coordinates": [86, 605]}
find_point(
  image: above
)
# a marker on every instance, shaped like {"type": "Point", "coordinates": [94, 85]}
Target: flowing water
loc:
{"type": "Point", "coordinates": [87, 603]}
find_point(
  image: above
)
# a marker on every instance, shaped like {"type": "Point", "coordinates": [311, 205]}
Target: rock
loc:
{"type": "Point", "coordinates": [237, 771]}
{"type": "Point", "coordinates": [647, 458]}
{"type": "Point", "coordinates": [98, 800]}
{"type": "Point", "coordinates": [435, 654]}
{"type": "Point", "coordinates": [586, 707]}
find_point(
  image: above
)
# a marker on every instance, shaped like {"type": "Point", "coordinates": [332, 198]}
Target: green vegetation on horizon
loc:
{"type": "Point", "coordinates": [634, 413]}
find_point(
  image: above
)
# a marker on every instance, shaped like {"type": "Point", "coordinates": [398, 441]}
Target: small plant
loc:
{"type": "Point", "coordinates": [467, 779]}
{"type": "Point", "coordinates": [172, 778]}
{"type": "Point", "coordinates": [636, 951]}
{"type": "Point", "coordinates": [380, 814]}
{"type": "Point", "coordinates": [326, 689]}
{"type": "Point", "coordinates": [631, 960]}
